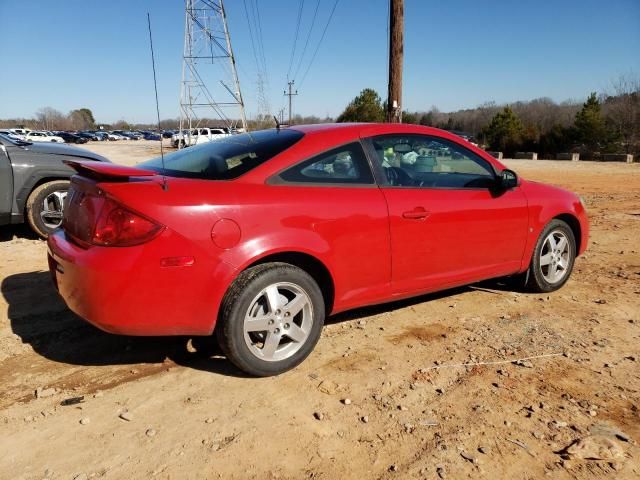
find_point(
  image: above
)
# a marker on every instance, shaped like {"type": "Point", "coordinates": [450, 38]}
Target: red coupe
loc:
{"type": "Point", "coordinates": [259, 236]}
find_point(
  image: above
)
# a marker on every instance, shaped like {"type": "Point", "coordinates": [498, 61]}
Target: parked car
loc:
{"type": "Point", "coordinates": [117, 136]}
{"type": "Point", "coordinates": [12, 135]}
{"type": "Point", "coordinates": [466, 136]}
{"type": "Point", "coordinates": [125, 135]}
{"type": "Point", "coordinates": [88, 135]}
{"type": "Point", "coordinates": [20, 131]}
{"type": "Point", "coordinates": [197, 136]}
{"type": "Point", "coordinates": [152, 136]}
{"type": "Point", "coordinates": [257, 237]}
{"type": "Point", "coordinates": [168, 133]}
{"type": "Point", "coordinates": [71, 137]}
{"type": "Point", "coordinates": [102, 136]}
{"type": "Point", "coordinates": [42, 136]}
{"type": "Point", "coordinates": [34, 181]}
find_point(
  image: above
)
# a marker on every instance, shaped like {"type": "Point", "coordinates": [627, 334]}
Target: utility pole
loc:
{"type": "Point", "coordinates": [396, 33]}
{"type": "Point", "coordinates": [290, 94]}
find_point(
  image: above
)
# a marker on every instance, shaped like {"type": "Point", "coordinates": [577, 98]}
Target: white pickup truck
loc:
{"type": "Point", "coordinates": [196, 136]}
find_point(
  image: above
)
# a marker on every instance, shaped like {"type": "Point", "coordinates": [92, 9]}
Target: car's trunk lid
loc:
{"type": "Point", "coordinates": [87, 195]}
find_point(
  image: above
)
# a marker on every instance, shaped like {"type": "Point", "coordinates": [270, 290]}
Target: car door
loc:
{"type": "Point", "coordinates": [334, 195]}
{"type": "Point", "coordinates": [449, 224]}
{"type": "Point", "coordinates": [6, 186]}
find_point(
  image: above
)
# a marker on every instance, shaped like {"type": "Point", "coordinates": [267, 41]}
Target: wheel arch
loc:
{"type": "Point", "coordinates": [28, 188]}
{"type": "Point", "coordinates": [310, 264]}
{"type": "Point", "coordinates": [574, 224]}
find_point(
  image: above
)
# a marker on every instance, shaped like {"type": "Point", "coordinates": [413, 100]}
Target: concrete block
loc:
{"type": "Point", "coordinates": [497, 155]}
{"type": "Point", "coordinates": [574, 157]}
{"type": "Point", "coordinates": [617, 157]}
{"type": "Point", "coordinates": [526, 155]}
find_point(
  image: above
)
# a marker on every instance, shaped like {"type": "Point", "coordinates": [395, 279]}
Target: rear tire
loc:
{"type": "Point", "coordinates": [45, 205]}
{"type": "Point", "coordinates": [553, 258]}
{"type": "Point", "coordinates": [271, 319]}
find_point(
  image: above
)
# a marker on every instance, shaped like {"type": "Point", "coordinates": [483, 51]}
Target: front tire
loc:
{"type": "Point", "coordinates": [553, 258]}
{"type": "Point", "coordinates": [45, 205]}
{"type": "Point", "coordinates": [271, 319]}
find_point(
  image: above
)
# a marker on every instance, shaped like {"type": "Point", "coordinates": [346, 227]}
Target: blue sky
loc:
{"type": "Point", "coordinates": [71, 54]}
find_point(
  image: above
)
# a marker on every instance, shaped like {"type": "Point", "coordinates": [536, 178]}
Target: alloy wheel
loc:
{"type": "Point", "coordinates": [52, 207]}
{"type": "Point", "coordinates": [555, 257]}
{"type": "Point", "coordinates": [278, 321]}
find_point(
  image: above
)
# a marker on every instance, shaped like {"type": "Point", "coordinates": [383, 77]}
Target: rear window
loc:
{"type": "Point", "coordinates": [227, 158]}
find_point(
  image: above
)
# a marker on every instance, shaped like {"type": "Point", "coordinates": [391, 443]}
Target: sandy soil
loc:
{"type": "Point", "coordinates": [382, 396]}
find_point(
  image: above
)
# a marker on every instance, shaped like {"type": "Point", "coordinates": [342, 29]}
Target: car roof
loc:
{"type": "Point", "coordinates": [371, 129]}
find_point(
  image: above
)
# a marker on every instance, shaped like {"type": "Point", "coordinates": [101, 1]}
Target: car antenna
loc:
{"type": "Point", "coordinates": [277, 122]}
{"type": "Point", "coordinates": [165, 187]}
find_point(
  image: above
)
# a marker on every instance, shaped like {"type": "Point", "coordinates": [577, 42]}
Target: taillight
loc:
{"type": "Point", "coordinates": [117, 226]}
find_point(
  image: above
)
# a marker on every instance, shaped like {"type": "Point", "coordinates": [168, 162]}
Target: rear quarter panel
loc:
{"type": "Point", "coordinates": [344, 228]}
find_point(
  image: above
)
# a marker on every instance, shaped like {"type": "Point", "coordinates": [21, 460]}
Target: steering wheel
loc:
{"type": "Point", "coordinates": [398, 177]}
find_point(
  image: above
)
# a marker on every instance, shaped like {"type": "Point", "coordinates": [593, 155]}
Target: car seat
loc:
{"type": "Point", "coordinates": [424, 164]}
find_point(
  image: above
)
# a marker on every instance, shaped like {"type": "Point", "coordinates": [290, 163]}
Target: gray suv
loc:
{"type": "Point", "coordinates": [34, 182]}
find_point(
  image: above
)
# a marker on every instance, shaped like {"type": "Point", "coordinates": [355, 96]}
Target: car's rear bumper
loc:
{"type": "Point", "coordinates": [126, 291]}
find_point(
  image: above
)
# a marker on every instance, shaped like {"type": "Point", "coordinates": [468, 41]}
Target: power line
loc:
{"type": "Point", "coordinates": [295, 39]}
{"type": "Point", "coordinates": [260, 37]}
{"type": "Point", "coordinates": [253, 45]}
{"type": "Point", "coordinates": [253, 21]}
{"type": "Point", "coordinates": [319, 43]}
{"type": "Point", "coordinates": [306, 43]}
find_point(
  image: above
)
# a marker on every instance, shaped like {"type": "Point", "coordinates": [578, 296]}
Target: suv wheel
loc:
{"type": "Point", "coordinates": [45, 205]}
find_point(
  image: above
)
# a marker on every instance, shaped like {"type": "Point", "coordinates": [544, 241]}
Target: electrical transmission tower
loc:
{"type": "Point", "coordinates": [210, 85]}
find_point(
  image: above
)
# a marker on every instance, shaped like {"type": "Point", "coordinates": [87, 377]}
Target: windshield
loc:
{"type": "Point", "coordinates": [227, 158]}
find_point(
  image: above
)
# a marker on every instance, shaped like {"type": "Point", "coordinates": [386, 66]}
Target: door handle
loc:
{"type": "Point", "coordinates": [417, 213]}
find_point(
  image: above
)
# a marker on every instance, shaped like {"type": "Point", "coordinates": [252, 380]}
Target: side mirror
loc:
{"type": "Point", "coordinates": [508, 179]}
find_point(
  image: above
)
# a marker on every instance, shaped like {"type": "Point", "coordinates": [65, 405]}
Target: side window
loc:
{"type": "Point", "coordinates": [345, 164]}
{"type": "Point", "coordinates": [430, 162]}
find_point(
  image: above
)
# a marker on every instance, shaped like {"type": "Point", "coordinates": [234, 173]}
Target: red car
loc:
{"type": "Point", "coordinates": [259, 236]}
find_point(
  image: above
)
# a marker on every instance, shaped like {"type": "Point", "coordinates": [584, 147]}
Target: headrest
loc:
{"type": "Point", "coordinates": [424, 163]}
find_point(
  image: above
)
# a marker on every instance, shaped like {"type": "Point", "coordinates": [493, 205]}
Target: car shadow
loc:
{"type": "Point", "coordinates": [20, 231]}
{"type": "Point", "coordinates": [41, 319]}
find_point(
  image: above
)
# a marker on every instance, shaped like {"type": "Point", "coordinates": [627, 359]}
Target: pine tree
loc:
{"type": "Point", "coordinates": [366, 107]}
{"type": "Point", "coordinates": [504, 133]}
{"type": "Point", "coordinates": [590, 128]}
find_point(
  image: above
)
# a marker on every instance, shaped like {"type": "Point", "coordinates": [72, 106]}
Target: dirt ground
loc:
{"type": "Point", "coordinates": [382, 396]}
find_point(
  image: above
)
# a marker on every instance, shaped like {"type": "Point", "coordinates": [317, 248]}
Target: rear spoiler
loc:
{"type": "Point", "coordinates": [107, 171]}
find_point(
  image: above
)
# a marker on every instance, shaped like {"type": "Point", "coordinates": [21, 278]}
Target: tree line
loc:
{"type": "Point", "coordinates": [48, 118]}
{"type": "Point", "coordinates": [608, 122]}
